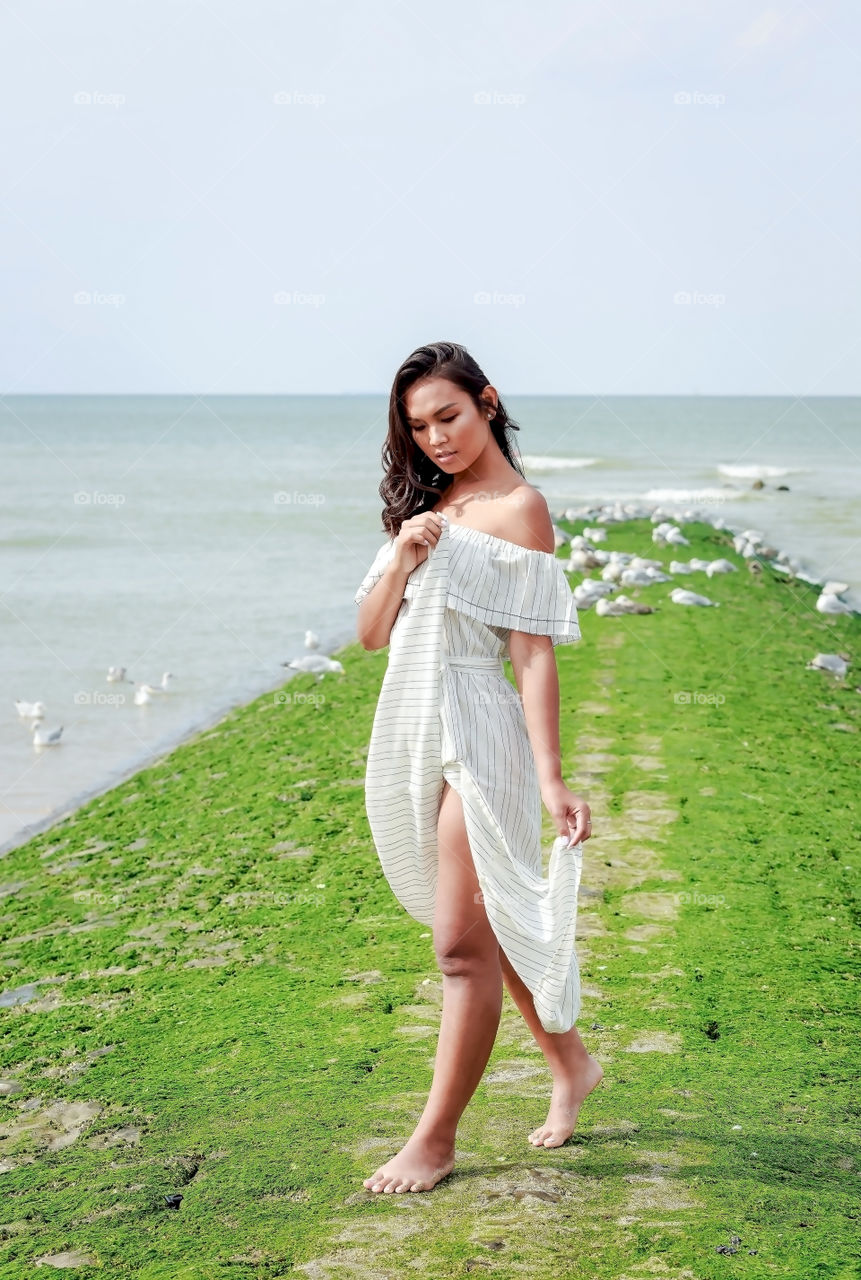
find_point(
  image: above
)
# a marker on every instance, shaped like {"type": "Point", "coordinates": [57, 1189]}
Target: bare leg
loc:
{"type": "Point", "coordinates": [468, 955]}
{"type": "Point", "coordinates": [575, 1071]}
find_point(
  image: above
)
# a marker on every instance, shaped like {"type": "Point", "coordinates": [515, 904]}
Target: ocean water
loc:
{"type": "Point", "coordinates": [202, 536]}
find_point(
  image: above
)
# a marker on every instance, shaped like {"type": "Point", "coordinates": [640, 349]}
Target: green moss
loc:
{"type": "Point", "coordinates": [221, 921]}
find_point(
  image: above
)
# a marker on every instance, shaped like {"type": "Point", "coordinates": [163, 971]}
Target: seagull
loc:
{"type": "Point", "coordinates": [117, 675]}
{"type": "Point", "coordinates": [676, 566]}
{"type": "Point", "coordinates": [699, 565]}
{"type": "Point", "coordinates": [640, 562]}
{"type": "Point", "coordinates": [680, 596]}
{"type": "Point", "coordinates": [608, 608]}
{"type": "Point", "coordinates": [720, 566]}
{"type": "Point", "coordinates": [592, 588]}
{"type": "Point", "coordinates": [312, 641]}
{"type": "Point", "coordinates": [833, 662]}
{"type": "Point", "coordinates": [589, 590]}
{"type": "Point", "coordinates": [595, 535]}
{"type": "Point", "coordinates": [45, 737]}
{"type": "Point", "coordinates": [676, 538]}
{"type": "Point", "coordinates": [633, 606]}
{"type": "Point", "coordinates": [828, 602]}
{"type": "Point", "coordinates": [582, 559]}
{"type": "Point", "coordinates": [162, 685]}
{"type": "Point", "coordinates": [316, 663]}
{"type": "Point", "coordinates": [635, 578]}
{"type": "Point", "coordinates": [835, 588]}
{"type": "Point", "coordinates": [143, 694]}
{"type": "Point", "coordinates": [619, 607]}
{"type": "Point", "coordinates": [30, 710]}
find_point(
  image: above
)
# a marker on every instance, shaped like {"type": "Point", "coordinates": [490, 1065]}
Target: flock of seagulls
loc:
{"type": "Point", "coordinates": [622, 569]}
{"type": "Point", "coordinates": [617, 569]}
{"type": "Point", "coordinates": [34, 712]}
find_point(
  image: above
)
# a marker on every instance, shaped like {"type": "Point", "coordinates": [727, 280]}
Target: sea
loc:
{"type": "Point", "coordinates": [203, 536]}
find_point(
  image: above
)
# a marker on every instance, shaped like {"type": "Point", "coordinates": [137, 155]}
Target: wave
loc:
{"type": "Point", "coordinates": [704, 494]}
{"type": "Point", "coordinates": [546, 462]}
{"type": "Point", "coordinates": [755, 471]}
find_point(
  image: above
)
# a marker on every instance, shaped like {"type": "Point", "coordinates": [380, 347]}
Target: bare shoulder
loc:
{"type": "Point", "coordinates": [529, 522]}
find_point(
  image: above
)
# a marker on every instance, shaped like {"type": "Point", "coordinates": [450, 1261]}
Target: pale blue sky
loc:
{"type": "Point", "coordinates": [290, 197]}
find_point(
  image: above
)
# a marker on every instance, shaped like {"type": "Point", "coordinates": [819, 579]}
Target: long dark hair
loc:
{"type": "Point", "coordinates": [411, 482]}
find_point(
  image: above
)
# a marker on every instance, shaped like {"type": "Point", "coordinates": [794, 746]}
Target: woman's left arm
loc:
{"type": "Point", "coordinates": [534, 664]}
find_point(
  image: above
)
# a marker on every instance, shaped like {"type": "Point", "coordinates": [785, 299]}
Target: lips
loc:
{"type": "Point", "coordinates": [443, 457]}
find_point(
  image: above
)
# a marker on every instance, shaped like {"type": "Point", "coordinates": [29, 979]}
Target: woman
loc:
{"type": "Point", "coordinates": [457, 764]}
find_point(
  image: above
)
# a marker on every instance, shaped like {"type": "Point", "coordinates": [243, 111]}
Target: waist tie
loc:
{"type": "Point", "coordinates": [484, 662]}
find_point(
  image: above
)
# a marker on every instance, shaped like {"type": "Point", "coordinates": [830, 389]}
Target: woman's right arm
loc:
{"type": "Point", "coordinates": [378, 610]}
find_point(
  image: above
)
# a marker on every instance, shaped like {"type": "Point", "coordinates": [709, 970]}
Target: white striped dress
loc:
{"type": "Point", "coordinates": [447, 712]}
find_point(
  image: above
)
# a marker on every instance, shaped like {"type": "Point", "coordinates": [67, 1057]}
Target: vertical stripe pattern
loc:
{"type": "Point", "coordinates": [446, 712]}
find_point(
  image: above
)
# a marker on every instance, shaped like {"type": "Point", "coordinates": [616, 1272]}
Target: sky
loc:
{"type": "Point", "coordinates": [268, 198]}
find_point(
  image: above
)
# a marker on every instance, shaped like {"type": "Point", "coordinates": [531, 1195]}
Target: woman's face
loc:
{"type": "Point", "coordinates": [446, 425]}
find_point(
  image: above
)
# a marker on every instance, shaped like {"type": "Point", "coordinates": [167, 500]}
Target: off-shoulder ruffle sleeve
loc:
{"type": "Point", "coordinates": [505, 585]}
{"type": "Point", "coordinates": [376, 570]}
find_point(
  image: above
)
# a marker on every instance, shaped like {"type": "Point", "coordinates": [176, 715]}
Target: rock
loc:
{"type": "Point", "coordinates": [72, 1258]}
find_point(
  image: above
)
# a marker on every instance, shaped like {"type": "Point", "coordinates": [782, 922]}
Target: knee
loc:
{"type": "Point", "coordinates": [467, 957]}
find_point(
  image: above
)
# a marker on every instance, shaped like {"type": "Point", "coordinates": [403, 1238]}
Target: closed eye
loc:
{"type": "Point", "coordinates": [421, 428]}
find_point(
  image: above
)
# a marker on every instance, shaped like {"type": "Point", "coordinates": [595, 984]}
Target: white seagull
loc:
{"type": "Point", "coordinates": [828, 602]}
{"type": "Point", "coordinates": [45, 737]}
{"type": "Point", "coordinates": [161, 687]}
{"type": "Point", "coordinates": [117, 675]}
{"type": "Point", "coordinates": [680, 596]}
{"type": "Point", "coordinates": [833, 662]}
{"type": "Point", "coordinates": [30, 710]}
{"type": "Point", "coordinates": [315, 663]}
{"type": "Point", "coordinates": [720, 566]}
{"type": "Point", "coordinates": [312, 641]}
{"type": "Point", "coordinates": [620, 606]}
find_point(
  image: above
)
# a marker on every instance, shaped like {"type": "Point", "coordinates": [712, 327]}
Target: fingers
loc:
{"type": "Point", "coordinates": [579, 826]}
{"type": "Point", "coordinates": [428, 530]}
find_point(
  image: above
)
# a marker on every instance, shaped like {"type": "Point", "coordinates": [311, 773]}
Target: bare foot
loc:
{"type": "Point", "coordinates": [569, 1090]}
{"type": "Point", "coordinates": [418, 1166]}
